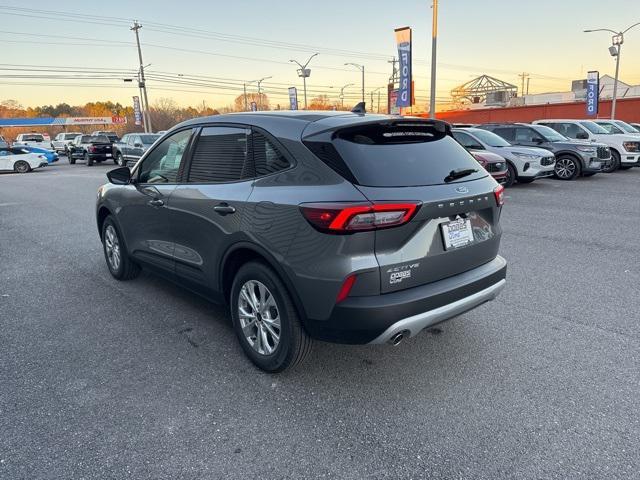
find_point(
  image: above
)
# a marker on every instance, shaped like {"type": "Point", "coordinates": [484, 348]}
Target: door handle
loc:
{"type": "Point", "coordinates": [224, 209]}
{"type": "Point", "coordinates": [156, 202]}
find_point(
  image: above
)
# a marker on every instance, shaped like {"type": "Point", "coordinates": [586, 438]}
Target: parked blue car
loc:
{"type": "Point", "coordinates": [50, 155]}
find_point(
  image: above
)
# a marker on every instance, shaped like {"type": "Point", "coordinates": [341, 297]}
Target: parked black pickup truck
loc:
{"type": "Point", "coordinates": [90, 148]}
{"type": "Point", "coordinates": [130, 148]}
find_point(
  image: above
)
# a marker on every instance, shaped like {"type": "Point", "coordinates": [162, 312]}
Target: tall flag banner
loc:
{"type": "Point", "coordinates": [137, 113]}
{"type": "Point", "coordinates": [403, 41]}
{"type": "Point", "coordinates": [293, 98]}
{"type": "Point", "coordinates": [593, 92]}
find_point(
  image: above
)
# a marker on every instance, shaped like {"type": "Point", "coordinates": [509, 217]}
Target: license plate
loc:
{"type": "Point", "coordinates": [108, 154]}
{"type": "Point", "coordinates": [457, 233]}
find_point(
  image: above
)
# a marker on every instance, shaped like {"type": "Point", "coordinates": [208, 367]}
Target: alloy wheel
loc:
{"type": "Point", "coordinates": [259, 317]}
{"type": "Point", "coordinates": [112, 247]}
{"type": "Point", "coordinates": [565, 168]}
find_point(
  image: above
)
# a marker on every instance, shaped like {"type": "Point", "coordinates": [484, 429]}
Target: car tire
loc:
{"type": "Point", "coordinates": [120, 160]}
{"type": "Point", "coordinates": [614, 163]}
{"type": "Point", "coordinates": [278, 343]}
{"type": "Point", "coordinates": [567, 168]}
{"type": "Point", "coordinates": [88, 160]}
{"type": "Point", "coordinates": [120, 265]}
{"type": "Point", "coordinates": [511, 176]}
{"type": "Point", "coordinates": [21, 167]}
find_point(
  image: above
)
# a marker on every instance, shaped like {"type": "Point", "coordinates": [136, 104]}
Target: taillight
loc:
{"type": "Point", "coordinates": [92, 148]}
{"type": "Point", "coordinates": [346, 218]}
{"type": "Point", "coordinates": [346, 288]}
{"type": "Point", "coordinates": [498, 192]}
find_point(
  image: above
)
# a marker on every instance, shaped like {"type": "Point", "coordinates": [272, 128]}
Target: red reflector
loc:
{"type": "Point", "coordinates": [346, 288]}
{"type": "Point", "coordinates": [344, 218]}
{"type": "Point", "coordinates": [498, 192]}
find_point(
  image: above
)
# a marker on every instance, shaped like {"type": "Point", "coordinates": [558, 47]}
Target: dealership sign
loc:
{"type": "Point", "coordinates": [293, 98]}
{"type": "Point", "coordinates": [137, 113]}
{"type": "Point", "coordinates": [593, 92]}
{"type": "Point", "coordinates": [403, 41]}
{"type": "Point", "coordinates": [61, 122]}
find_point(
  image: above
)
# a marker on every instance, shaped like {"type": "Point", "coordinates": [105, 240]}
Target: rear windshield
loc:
{"type": "Point", "coordinates": [149, 139]}
{"type": "Point", "coordinates": [402, 155]}
{"type": "Point", "coordinates": [94, 139]}
{"type": "Point", "coordinates": [32, 138]}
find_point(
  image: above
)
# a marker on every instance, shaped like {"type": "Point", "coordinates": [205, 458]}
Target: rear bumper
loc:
{"type": "Point", "coordinates": [376, 319]}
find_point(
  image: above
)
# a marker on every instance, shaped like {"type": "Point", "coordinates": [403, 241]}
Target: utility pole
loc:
{"type": "Point", "coordinates": [141, 81]}
{"type": "Point", "coordinates": [523, 76]}
{"type": "Point", "coordinates": [434, 48]}
{"type": "Point", "coordinates": [260, 94]}
{"type": "Point", "coordinates": [244, 86]}
{"type": "Point", "coordinates": [528, 85]}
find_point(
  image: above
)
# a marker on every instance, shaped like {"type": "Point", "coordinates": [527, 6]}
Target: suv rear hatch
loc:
{"type": "Point", "coordinates": [456, 226]}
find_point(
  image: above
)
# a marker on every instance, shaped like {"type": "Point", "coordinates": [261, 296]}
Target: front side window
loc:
{"type": "Point", "coordinates": [220, 155]}
{"type": "Point", "coordinates": [610, 127]}
{"type": "Point", "coordinates": [594, 127]}
{"type": "Point", "coordinates": [490, 138]}
{"type": "Point", "coordinates": [267, 159]}
{"type": "Point", "coordinates": [162, 164]}
{"type": "Point", "coordinates": [506, 133]}
{"type": "Point", "coordinates": [527, 135]}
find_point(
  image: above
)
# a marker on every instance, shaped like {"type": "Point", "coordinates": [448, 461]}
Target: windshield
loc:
{"type": "Point", "coordinates": [490, 138]}
{"type": "Point", "coordinates": [611, 128]}
{"type": "Point", "coordinates": [149, 139]}
{"type": "Point", "coordinates": [594, 128]}
{"type": "Point", "coordinates": [626, 127]}
{"type": "Point", "coordinates": [70, 136]}
{"type": "Point", "coordinates": [549, 133]}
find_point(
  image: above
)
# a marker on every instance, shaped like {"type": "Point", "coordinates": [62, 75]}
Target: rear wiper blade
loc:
{"type": "Point", "coordinates": [459, 173]}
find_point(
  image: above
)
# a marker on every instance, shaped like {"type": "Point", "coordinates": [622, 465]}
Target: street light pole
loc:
{"type": "Point", "coordinates": [372, 92]}
{"type": "Point", "coordinates": [342, 93]}
{"type": "Point", "coordinates": [361, 68]}
{"type": "Point", "coordinates": [259, 94]}
{"type": "Point", "coordinates": [617, 40]}
{"type": "Point", "coordinates": [304, 72]}
{"type": "Point", "coordinates": [434, 44]}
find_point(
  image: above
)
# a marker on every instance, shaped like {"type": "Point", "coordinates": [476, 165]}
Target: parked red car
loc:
{"type": "Point", "coordinates": [492, 163]}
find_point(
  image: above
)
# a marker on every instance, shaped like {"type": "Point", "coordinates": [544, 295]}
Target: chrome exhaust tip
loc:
{"type": "Point", "coordinates": [396, 339]}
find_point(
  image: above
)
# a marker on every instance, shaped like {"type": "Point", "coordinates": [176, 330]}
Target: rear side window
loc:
{"type": "Point", "coordinates": [267, 159]}
{"type": "Point", "coordinates": [220, 155]}
{"type": "Point", "coordinates": [506, 133]}
{"type": "Point", "coordinates": [402, 154]}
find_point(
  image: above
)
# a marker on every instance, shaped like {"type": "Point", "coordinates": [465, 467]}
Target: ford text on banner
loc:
{"type": "Point", "coordinates": [593, 92]}
{"type": "Point", "coordinates": [403, 41]}
{"type": "Point", "coordinates": [293, 98]}
{"type": "Point", "coordinates": [137, 114]}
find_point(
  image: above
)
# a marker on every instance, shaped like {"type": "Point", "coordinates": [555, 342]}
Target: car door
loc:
{"type": "Point", "coordinates": [207, 208]}
{"type": "Point", "coordinates": [6, 159]}
{"type": "Point", "coordinates": [127, 148]}
{"type": "Point", "coordinates": [143, 210]}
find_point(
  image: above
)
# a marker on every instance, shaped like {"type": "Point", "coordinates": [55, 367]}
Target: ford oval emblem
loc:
{"type": "Point", "coordinates": [462, 190]}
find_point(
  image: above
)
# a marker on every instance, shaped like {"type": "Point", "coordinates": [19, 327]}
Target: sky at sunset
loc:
{"type": "Point", "coordinates": [497, 37]}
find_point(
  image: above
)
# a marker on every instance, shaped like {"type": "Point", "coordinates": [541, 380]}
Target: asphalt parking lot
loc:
{"type": "Point", "coordinates": [102, 379]}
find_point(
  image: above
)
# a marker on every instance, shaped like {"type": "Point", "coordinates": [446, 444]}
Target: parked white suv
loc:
{"type": "Point", "coordinates": [62, 141]}
{"type": "Point", "coordinates": [34, 140]}
{"type": "Point", "coordinates": [625, 149]}
{"type": "Point", "coordinates": [524, 164]}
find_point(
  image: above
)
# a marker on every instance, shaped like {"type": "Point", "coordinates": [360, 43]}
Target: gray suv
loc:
{"type": "Point", "coordinates": [573, 157]}
{"type": "Point", "coordinates": [336, 226]}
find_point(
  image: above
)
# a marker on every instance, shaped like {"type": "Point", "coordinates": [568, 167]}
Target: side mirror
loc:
{"type": "Point", "coordinates": [582, 136]}
{"type": "Point", "coordinates": [538, 140]}
{"type": "Point", "coordinates": [119, 176]}
{"type": "Point", "coordinates": [137, 145]}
